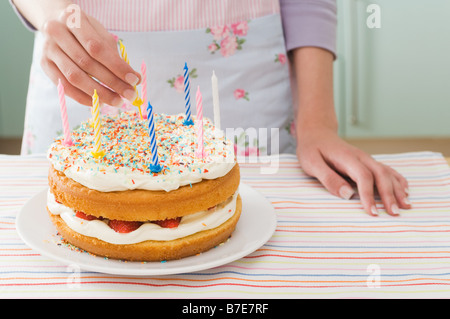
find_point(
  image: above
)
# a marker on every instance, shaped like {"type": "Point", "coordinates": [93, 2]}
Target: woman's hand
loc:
{"type": "Point", "coordinates": [77, 54]}
{"type": "Point", "coordinates": [324, 155]}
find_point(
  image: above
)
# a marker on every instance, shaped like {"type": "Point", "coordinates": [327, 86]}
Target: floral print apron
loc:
{"type": "Point", "coordinates": [248, 58]}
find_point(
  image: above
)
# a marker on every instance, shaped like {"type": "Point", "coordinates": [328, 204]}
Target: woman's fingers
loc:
{"type": "Point", "coordinates": [80, 79]}
{"type": "Point", "coordinates": [72, 48]}
{"type": "Point", "coordinates": [401, 195]}
{"type": "Point", "coordinates": [370, 175]}
{"type": "Point", "coordinates": [391, 186]}
{"type": "Point", "coordinates": [87, 55]}
{"type": "Point", "coordinates": [332, 181]}
{"type": "Point", "coordinates": [100, 50]}
{"type": "Point", "coordinates": [55, 74]}
{"type": "Point", "coordinates": [385, 186]}
{"type": "Point", "coordinates": [364, 180]}
{"type": "Point", "coordinates": [402, 181]}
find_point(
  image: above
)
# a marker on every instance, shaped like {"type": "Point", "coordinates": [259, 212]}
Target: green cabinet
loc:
{"type": "Point", "coordinates": [392, 75]}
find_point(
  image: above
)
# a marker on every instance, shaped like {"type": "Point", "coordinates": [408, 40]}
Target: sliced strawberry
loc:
{"type": "Point", "coordinates": [168, 223]}
{"type": "Point", "coordinates": [85, 216]}
{"type": "Point", "coordinates": [124, 226]}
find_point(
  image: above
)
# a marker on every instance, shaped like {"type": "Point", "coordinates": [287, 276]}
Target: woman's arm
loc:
{"type": "Point", "coordinates": [77, 54]}
{"type": "Point", "coordinates": [40, 11]}
{"type": "Point", "coordinates": [323, 154]}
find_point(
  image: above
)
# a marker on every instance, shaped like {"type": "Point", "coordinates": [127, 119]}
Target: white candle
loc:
{"type": "Point", "coordinates": [215, 95]}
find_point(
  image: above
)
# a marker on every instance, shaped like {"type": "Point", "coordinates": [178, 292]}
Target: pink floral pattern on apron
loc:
{"type": "Point", "coordinates": [177, 82]}
{"type": "Point", "coordinates": [227, 38]}
{"type": "Point", "coordinates": [241, 94]}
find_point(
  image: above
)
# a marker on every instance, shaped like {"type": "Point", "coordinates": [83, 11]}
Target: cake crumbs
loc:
{"type": "Point", "coordinates": [60, 241]}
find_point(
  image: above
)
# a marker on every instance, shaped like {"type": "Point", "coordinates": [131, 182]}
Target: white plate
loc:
{"type": "Point", "coordinates": [255, 227]}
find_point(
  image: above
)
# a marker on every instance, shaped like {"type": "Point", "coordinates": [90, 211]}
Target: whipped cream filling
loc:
{"type": "Point", "coordinates": [189, 224]}
{"type": "Point", "coordinates": [127, 157]}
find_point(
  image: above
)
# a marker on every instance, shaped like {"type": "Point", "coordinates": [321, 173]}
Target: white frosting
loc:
{"type": "Point", "coordinates": [124, 179]}
{"type": "Point", "coordinates": [126, 143]}
{"type": "Point", "coordinates": [189, 224]}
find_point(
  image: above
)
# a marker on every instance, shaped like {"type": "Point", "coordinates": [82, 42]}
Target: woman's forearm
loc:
{"type": "Point", "coordinates": [37, 12]}
{"type": "Point", "coordinates": [314, 79]}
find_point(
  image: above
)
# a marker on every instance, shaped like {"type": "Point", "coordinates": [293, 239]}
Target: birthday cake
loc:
{"type": "Point", "coordinates": [116, 206]}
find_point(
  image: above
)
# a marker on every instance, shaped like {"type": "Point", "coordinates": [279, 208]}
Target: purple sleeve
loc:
{"type": "Point", "coordinates": [309, 23]}
{"type": "Point", "coordinates": [25, 22]}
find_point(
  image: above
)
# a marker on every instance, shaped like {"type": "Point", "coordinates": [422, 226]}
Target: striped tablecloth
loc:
{"type": "Point", "coordinates": [323, 247]}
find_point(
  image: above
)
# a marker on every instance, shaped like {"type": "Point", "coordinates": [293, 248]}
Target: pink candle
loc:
{"type": "Point", "coordinates": [200, 153]}
{"type": "Point", "coordinates": [144, 86]}
{"type": "Point", "coordinates": [65, 120]}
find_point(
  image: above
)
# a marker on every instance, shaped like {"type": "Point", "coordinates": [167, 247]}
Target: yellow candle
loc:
{"type": "Point", "coordinates": [123, 52]}
{"type": "Point", "coordinates": [97, 153]}
{"type": "Point", "coordinates": [138, 101]}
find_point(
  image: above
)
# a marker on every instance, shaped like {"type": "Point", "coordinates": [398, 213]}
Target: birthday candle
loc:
{"type": "Point", "coordinates": [200, 151]}
{"type": "Point", "coordinates": [123, 52]}
{"type": "Point", "coordinates": [187, 96]}
{"type": "Point", "coordinates": [96, 117]}
{"type": "Point", "coordinates": [137, 102]}
{"type": "Point", "coordinates": [154, 167]}
{"type": "Point", "coordinates": [144, 84]}
{"type": "Point", "coordinates": [65, 120]}
{"type": "Point", "coordinates": [215, 94]}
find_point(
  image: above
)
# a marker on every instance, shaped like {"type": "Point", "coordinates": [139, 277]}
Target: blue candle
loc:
{"type": "Point", "coordinates": [155, 167]}
{"type": "Point", "coordinates": [187, 97]}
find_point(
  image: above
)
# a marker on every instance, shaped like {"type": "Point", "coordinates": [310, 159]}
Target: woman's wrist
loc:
{"type": "Point", "coordinates": [319, 121]}
{"type": "Point", "coordinates": [38, 12]}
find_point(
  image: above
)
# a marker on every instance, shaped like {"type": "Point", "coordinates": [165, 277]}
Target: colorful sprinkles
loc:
{"type": "Point", "coordinates": [126, 142]}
